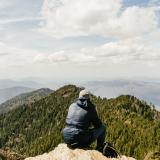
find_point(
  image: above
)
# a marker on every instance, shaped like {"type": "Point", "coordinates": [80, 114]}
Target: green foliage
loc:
{"type": "Point", "coordinates": [132, 126]}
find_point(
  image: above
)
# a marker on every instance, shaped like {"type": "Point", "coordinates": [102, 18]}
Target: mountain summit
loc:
{"type": "Point", "coordinates": [62, 152]}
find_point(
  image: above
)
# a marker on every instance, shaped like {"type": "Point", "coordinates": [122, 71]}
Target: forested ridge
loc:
{"type": "Point", "coordinates": [132, 125]}
{"type": "Point", "coordinates": [24, 98]}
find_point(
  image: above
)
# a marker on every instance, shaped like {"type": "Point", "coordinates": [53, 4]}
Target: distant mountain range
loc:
{"type": "Point", "coordinates": [25, 98]}
{"type": "Point", "coordinates": [147, 91]}
{"type": "Point", "coordinates": [8, 83]}
{"type": "Point", "coordinates": [11, 88]}
{"type": "Point", "coordinates": [8, 93]}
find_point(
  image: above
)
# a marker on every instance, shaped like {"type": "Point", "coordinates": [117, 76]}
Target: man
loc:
{"type": "Point", "coordinates": [81, 115]}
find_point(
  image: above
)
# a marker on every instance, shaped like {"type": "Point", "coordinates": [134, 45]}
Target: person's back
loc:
{"type": "Point", "coordinates": [81, 115]}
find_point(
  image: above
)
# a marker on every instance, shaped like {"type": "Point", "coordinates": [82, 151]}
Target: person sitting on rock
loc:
{"type": "Point", "coordinates": [81, 115]}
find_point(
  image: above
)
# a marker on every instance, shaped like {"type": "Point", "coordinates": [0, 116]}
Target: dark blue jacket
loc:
{"type": "Point", "coordinates": [81, 115]}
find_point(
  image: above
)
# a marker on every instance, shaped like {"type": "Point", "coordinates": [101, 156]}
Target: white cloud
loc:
{"type": "Point", "coordinates": [133, 33]}
{"type": "Point", "coordinates": [56, 57]}
{"type": "Point", "coordinates": [7, 3]}
{"type": "Point", "coordinates": [68, 18]}
{"type": "Point", "coordinates": [125, 51]}
{"type": "Point", "coordinates": [130, 52]}
{"type": "Point", "coordinates": [64, 58]}
{"type": "Point", "coordinates": [11, 56]}
{"type": "Point", "coordinates": [135, 21]}
{"type": "Point", "coordinates": [120, 52]}
{"type": "Point", "coordinates": [20, 19]}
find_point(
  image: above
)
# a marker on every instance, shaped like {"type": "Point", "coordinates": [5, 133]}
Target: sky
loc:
{"type": "Point", "coordinates": [74, 40]}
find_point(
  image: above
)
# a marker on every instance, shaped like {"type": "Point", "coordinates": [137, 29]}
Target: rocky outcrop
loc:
{"type": "Point", "coordinates": [9, 155]}
{"type": "Point", "coordinates": [62, 152]}
{"type": "Point", "coordinates": [152, 156]}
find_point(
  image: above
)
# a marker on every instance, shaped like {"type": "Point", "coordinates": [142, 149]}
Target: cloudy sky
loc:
{"type": "Point", "coordinates": [79, 39]}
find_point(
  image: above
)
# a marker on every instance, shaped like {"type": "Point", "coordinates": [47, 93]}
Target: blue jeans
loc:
{"type": "Point", "coordinates": [81, 138]}
{"type": "Point", "coordinates": [99, 135]}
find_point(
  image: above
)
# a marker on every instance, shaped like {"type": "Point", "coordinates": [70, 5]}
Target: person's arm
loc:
{"type": "Point", "coordinates": [95, 119]}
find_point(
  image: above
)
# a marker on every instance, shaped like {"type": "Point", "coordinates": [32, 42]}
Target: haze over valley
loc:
{"type": "Point", "coordinates": [148, 91]}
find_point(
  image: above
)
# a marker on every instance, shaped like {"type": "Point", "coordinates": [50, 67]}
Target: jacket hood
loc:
{"type": "Point", "coordinates": [82, 102]}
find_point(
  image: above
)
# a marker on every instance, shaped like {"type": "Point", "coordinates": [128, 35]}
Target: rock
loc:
{"type": "Point", "coordinates": [152, 156]}
{"type": "Point", "coordinates": [9, 155]}
{"type": "Point", "coordinates": [62, 152]}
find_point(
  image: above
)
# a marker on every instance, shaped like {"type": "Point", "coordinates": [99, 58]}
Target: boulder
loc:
{"type": "Point", "coordinates": [62, 152]}
{"type": "Point", "coordinates": [153, 156]}
{"type": "Point", "coordinates": [9, 155]}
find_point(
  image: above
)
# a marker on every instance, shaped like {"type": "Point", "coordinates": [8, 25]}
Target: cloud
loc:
{"type": "Point", "coordinates": [11, 56]}
{"type": "Point", "coordinates": [20, 19]}
{"type": "Point", "coordinates": [5, 3]}
{"type": "Point", "coordinates": [57, 57]}
{"type": "Point", "coordinates": [107, 57]}
{"type": "Point", "coordinates": [127, 51]}
{"type": "Point", "coordinates": [67, 18]}
{"type": "Point", "coordinates": [62, 57]}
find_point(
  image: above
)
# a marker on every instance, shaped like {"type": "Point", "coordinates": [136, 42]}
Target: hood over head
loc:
{"type": "Point", "coordinates": [82, 102]}
{"type": "Point", "coordinates": [84, 94]}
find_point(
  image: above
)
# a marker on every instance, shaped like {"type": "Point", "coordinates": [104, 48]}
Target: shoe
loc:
{"type": "Point", "coordinates": [100, 149]}
{"type": "Point", "coordinates": [109, 151]}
